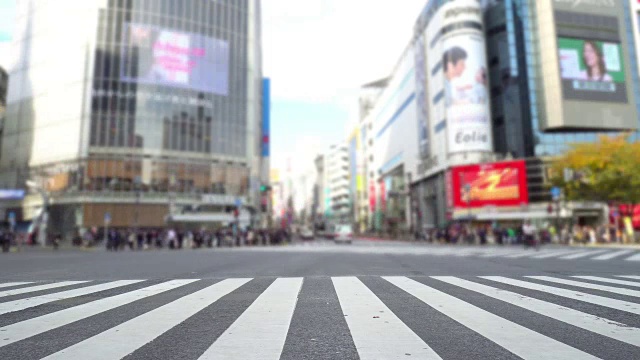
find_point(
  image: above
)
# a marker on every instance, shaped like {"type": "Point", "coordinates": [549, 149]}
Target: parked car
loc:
{"type": "Point", "coordinates": [343, 234]}
{"type": "Point", "coordinates": [306, 234]}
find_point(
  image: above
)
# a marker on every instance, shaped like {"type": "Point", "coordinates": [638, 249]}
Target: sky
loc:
{"type": "Point", "coordinates": [318, 53]}
{"type": "Point", "coordinates": [7, 8]}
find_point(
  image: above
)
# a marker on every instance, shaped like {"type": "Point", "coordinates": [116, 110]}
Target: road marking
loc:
{"type": "Point", "coordinates": [570, 294]}
{"type": "Point", "coordinates": [39, 287]}
{"type": "Point", "coordinates": [522, 253]}
{"type": "Point", "coordinates": [28, 328]}
{"type": "Point", "coordinates": [503, 332]}
{"type": "Point", "coordinates": [14, 284]}
{"type": "Point", "coordinates": [582, 254]}
{"type": "Point", "coordinates": [630, 277]}
{"type": "Point", "coordinates": [119, 341]}
{"type": "Point", "coordinates": [635, 257]}
{"type": "Point", "coordinates": [261, 330]}
{"type": "Point", "coordinates": [500, 252]}
{"type": "Point", "coordinates": [553, 254]}
{"type": "Point", "coordinates": [586, 285]}
{"type": "Point", "coordinates": [611, 255]}
{"type": "Point", "coordinates": [612, 281]}
{"type": "Point", "coordinates": [376, 331]}
{"type": "Point", "coordinates": [26, 303]}
{"type": "Point", "coordinates": [570, 316]}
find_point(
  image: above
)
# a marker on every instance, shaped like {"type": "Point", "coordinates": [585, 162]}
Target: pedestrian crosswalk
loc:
{"type": "Point", "coordinates": [503, 252]}
{"type": "Point", "coordinates": [371, 317]}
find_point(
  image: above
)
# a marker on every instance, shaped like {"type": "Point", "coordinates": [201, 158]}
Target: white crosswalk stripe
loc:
{"type": "Point", "coordinates": [14, 284]}
{"type": "Point", "coordinates": [577, 318]}
{"type": "Point", "coordinates": [39, 288]}
{"type": "Point", "coordinates": [612, 289]}
{"type": "Point", "coordinates": [31, 327]}
{"type": "Point", "coordinates": [22, 304]}
{"type": "Point", "coordinates": [377, 332]}
{"type": "Point", "coordinates": [501, 331]}
{"type": "Point", "coordinates": [575, 295]}
{"type": "Point", "coordinates": [612, 281]}
{"type": "Point", "coordinates": [611, 255]}
{"type": "Point", "coordinates": [582, 254]}
{"type": "Point", "coordinates": [125, 338]}
{"type": "Point", "coordinates": [376, 327]}
{"type": "Point", "coordinates": [266, 322]}
{"type": "Point", "coordinates": [635, 257]}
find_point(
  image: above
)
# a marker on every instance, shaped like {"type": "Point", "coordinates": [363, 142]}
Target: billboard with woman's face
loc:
{"type": "Point", "coordinates": [591, 67]}
{"type": "Point", "coordinates": [465, 93]}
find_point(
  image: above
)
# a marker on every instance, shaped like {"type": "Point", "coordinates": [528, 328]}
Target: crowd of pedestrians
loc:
{"type": "Point", "coordinates": [526, 233]}
{"type": "Point", "coordinates": [171, 238]}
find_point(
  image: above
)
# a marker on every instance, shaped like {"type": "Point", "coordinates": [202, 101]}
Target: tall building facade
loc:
{"type": "Point", "coordinates": [150, 110]}
{"type": "Point", "coordinates": [4, 84]}
{"type": "Point", "coordinates": [485, 95]}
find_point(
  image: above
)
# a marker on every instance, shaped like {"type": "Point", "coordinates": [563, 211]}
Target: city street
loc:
{"type": "Point", "coordinates": [318, 300]}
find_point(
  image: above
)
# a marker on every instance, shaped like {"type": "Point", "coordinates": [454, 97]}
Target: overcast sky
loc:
{"type": "Point", "coordinates": [318, 53]}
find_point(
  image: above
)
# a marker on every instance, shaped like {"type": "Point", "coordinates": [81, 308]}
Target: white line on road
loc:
{"type": "Point", "coordinates": [26, 303]}
{"type": "Point", "coordinates": [119, 341]}
{"type": "Point", "coordinates": [582, 254]}
{"type": "Point", "coordinates": [625, 306]}
{"type": "Point", "coordinates": [570, 316]}
{"type": "Point", "coordinates": [521, 254]}
{"type": "Point", "coordinates": [261, 330]}
{"type": "Point", "coordinates": [634, 277]}
{"type": "Point", "coordinates": [376, 331]}
{"type": "Point", "coordinates": [635, 257]}
{"type": "Point", "coordinates": [28, 328]}
{"type": "Point", "coordinates": [39, 288]}
{"type": "Point", "coordinates": [586, 285]}
{"type": "Point", "coordinates": [501, 331]}
{"type": "Point", "coordinates": [553, 254]}
{"type": "Point", "coordinates": [611, 255]}
{"type": "Point", "coordinates": [607, 280]}
{"type": "Point", "coordinates": [14, 284]}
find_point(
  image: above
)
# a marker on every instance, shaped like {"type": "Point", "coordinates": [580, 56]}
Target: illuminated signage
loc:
{"type": "Point", "coordinates": [495, 184]}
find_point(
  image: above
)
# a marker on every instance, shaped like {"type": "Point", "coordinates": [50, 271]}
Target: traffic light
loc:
{"type": "Point", "coordinates": [265, 188]}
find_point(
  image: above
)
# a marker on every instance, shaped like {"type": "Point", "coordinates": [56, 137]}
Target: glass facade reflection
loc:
{"type": "Point", "coordinates": [515, 57]}
{"type": "Point", "coordinates": [150, 102]}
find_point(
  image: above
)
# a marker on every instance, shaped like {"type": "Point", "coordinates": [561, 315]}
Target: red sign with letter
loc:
{"type": "Point", "coordinates": [493, 184]}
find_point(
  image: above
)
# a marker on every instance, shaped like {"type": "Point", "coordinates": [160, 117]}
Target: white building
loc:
{"type": "Point", "coordinates": [333, 192]}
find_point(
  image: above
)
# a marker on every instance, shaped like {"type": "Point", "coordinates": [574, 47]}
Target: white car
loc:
{"type": "Point", "coordinates": [343, 234]}
{"type": "Point", "coordinates": [306, 234]}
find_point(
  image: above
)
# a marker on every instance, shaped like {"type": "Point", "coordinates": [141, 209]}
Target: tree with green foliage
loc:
{"type": "Point", "coordinates": [608, 171]}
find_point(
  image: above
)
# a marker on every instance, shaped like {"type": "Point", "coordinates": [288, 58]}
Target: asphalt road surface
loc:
{"type": "Point", "coordinates": [317, 300]}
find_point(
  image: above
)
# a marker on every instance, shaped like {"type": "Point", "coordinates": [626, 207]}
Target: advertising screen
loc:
{"type": "Point", "coordinates": [591, 70]}
{"type": "Point", "coordinates": [152, 55]}
{"type": "Point", "coordinates": [494, 184]}
{"type": "Point", "coordinates": [466, 94]}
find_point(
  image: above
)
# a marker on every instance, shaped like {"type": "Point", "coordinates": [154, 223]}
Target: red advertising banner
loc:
{"type": "Point", "coordinates": [495, 184]}
{"type": "Point", "coordinates": [383, 196]}
{"type": "Point", "coordinates": [372, 195]}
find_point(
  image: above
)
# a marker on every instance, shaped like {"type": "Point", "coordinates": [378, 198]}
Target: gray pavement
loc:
{"type": "Point", "coordinates": [318, 300]}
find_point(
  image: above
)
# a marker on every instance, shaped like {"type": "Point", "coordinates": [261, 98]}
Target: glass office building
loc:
{"type": "Point", "coordinates": [534, 113]}
{"type": "Point", "coordinates": [135, 109]}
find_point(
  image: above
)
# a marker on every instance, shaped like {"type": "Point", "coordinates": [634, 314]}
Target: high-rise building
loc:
{"type": "Point", "coordinates": [136, 111]}
{"type": "Point", "coordinates": [4, 83]}
{"type": "Point", "coordinates": [484, 95]}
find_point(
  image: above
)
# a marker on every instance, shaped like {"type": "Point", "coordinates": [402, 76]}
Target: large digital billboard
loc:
{"type": "Point", "coordinates": [592, 70]}
{"type": "Point", "coordinates": [153, 55]}
{"type": "Point", "coordinates": [493, 184]}
{"type": "Point", "coordinates": [466, 93]}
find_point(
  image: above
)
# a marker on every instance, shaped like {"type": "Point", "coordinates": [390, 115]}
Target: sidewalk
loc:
{"type": "Point", "coordinates": [635, 246]}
